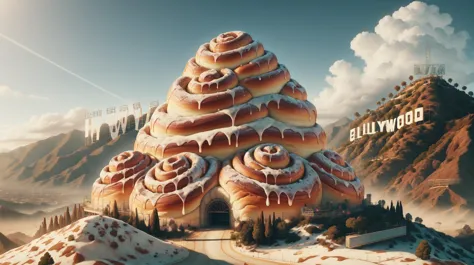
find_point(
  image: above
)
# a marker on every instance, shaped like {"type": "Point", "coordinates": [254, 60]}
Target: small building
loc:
{"type": "Point", "coordinates": [356, 241]}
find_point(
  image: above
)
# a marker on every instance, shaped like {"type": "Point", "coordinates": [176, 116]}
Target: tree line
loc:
{"type": "Point", "coordinates": [154, 228]}
{"type": "Point", "coordinates": [60, 221]}
{"type": "Point", "coordinates": [404, 84]}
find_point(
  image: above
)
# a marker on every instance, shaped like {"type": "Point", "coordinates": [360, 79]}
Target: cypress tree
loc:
{"type": "Point", "coordinates": [136, 221]}
{"type": "Point", "coordinates": [392, 211]}
{"type": "Point", "coordinates": [61, 221]}
{"type": "Point", "coordinates": [131, 218]}
{"type": "Point", "coordinates": [74, 214]}
{"type": "Point", "coordinates": [269, 230]}
{"type": "Point", "coordinates": [79, 212]}
{"type": "Point", "coordinates": [401, 211]}
{"type": "Point", "coordinates": [44, 227]}
{"type": "Point", "coordinates": [50, 226]}
{"type": "Point", "coordinates": [67, 217]}
{"type": "Point", "coordinates": [56, 223]}
{"type": "Point", "coordinates": [256, 233]}
{"type": "Point", "coordinates": [155, 223]}
{"type": "Point", "coordinates": [106, 211]}
{"type": "Point", "coordinates": [115, 211]}
{"type": "Point", "coordinates": [262, 226]}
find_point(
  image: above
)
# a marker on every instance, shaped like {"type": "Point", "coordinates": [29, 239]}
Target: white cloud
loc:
{"type": "Point", "coordinates": [8, 93]}
{"type": "Point", "coordinates": [389, 53]}
{"type": "Point", "coordinates": [40, 127]}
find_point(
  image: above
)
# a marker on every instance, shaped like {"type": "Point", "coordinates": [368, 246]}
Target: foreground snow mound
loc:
{"type": "Point", "coordinates": [97, 240]}
{"type": "Point", "coordinates": [316, 249]}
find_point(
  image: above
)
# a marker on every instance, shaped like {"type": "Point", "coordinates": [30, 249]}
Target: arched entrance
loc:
{"type": "Point", "coordinates": [218, 213]}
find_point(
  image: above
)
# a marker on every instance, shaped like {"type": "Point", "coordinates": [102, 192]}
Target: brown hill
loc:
{"type": "Point", "coordinates": [19, 238]}
{"type": "Point", "coordinates": [62, 160]}
{"type": "Point", "coordinates": [6, 244]}
{"type": "Point", "coordinates": [429, 162]}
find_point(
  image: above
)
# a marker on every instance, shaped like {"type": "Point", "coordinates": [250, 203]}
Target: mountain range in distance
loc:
{"type": "Point", "coordinates": [62, 160]}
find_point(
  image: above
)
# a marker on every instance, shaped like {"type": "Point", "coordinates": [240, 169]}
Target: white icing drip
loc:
{"type": "Point", "coordinates": [258, 126]}
{"type": "Point", "coordinates": [226, 74]}
{"type": "Point", "coordinates": [305, 184]}
{"type": "Point", "coordinates": [296, 86]}
{"type": "Point", "coordinates": [183, 96]}
{"type": "Point", "coordinates": [297, 164]}
{"type": "Point", "coordinates": [267, 56]}
{"type": "Point", "coordinates": [232, 93]}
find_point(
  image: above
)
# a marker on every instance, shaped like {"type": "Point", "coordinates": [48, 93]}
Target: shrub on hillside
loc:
{"type": "Point", "coordinates": [304, 221]}
{"type": "Point", "coordinates": [333, 232]}
{"type": "Point", "coordinates": [291, 238]}
{"type": "Point", "coordinates": [282, 230]}
{"type": "Point", "coordinates": [423, 251]}
{"type": "Point", "coordinates": [245, 234]}
{"type": "Point", "coordinates": [173, 227]}
{"type": "Point", "coordinates": [46, 259]}
{"type": "Point", "coordinates": [312, 229]}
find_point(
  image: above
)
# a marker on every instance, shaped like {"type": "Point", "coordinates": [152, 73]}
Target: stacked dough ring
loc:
{"type": "Point", "coordinates": [268, 178]}
{"type": "Point", "coordinates": [232, 95]}
{"type": "Point", "coordinates": [339, 180]}
{"type": "Point", "coordinates": [118, 178]}
{"type": "Point", "coordinates": [175, 185]}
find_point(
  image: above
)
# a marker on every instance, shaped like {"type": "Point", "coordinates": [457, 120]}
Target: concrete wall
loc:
{"type": "Point", "coordinates": [355, 241]}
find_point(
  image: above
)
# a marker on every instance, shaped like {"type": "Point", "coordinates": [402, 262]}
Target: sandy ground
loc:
{"type": "Point", "coordinates": [213, 247]}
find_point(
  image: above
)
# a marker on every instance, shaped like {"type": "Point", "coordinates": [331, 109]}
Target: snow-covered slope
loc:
{"type": "Point", "coordinates": [97, 240]}
{"type": "Point", "coordinates": [315, 249]}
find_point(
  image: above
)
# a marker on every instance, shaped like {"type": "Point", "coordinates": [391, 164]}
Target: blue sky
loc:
{"type": "Point", "coordinates": [137, 48]}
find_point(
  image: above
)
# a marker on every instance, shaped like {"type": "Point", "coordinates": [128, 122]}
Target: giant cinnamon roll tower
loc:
{"type": "Point", "coordinates": [118, 178]}
{"type": "Point", "coordinates": [232, 96]}
{"type": "Point", "coordinates": [237, 120]}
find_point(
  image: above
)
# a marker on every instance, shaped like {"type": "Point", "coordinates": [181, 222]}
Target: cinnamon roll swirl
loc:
{"type": "Point", "coordinates": [175, 185]}
{"type": "Point", "coordinates": [268, 178]}
{"type": "Point", "coordinates": [340, 183]}
{"type": "Point", "coordinates": [229, 50]}
{"type": "Point", "coordinates": [118, 178]}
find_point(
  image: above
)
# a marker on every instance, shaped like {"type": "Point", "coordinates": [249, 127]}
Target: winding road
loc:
{"type": "Point", "coordinates": [213, 247]}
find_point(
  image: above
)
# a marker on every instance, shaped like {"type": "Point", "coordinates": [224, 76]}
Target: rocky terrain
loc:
{"type": "Point", "coordinates": [97, 240]}
{"type": "Point", "coordinates": [429, 163]}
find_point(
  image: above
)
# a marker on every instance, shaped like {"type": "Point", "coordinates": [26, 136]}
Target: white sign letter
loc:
{"type": "Point", "coordinates": [419, 114]}
{"type": "Point", "coordinates": [409, 118]}
{"type": "Point", "coordinates": [400, 121]}
{"type": "Point", "coordinates": [352, 135]}
{"type": "Point", "coordinates": [381, 125]}
{"type": "Point", "coordinates": [391, 125]}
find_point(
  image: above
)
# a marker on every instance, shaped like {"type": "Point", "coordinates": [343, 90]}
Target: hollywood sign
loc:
{"type": "Point", "coordinates": [388, 126]}
{"type": "Point", "coordinates": [117, 118]}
